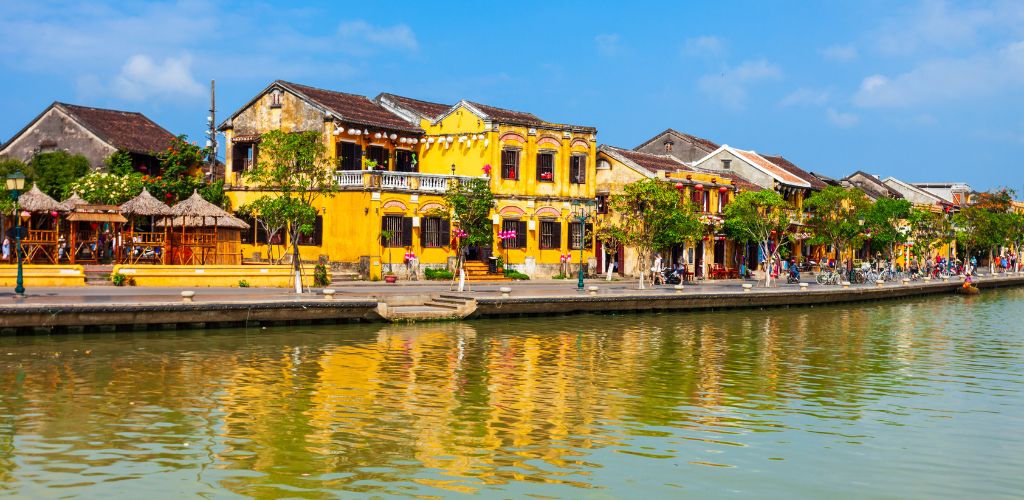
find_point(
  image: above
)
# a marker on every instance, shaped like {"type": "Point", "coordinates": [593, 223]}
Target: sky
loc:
{"type": "Point", "coordinates": [927, 91]}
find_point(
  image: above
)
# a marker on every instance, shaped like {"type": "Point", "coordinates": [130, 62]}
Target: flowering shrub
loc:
{"type": "Point", "coordinates": [410, 256]}
{"type": "Point", "coordinates": [487, 169]}
{"type": "Point", "coordinates": [108, 189]}
{"type": "Point", "coordinates": [505, 236]}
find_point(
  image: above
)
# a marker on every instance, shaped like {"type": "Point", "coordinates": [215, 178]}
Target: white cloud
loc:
{"type": "Point", "coordinates": [710, 46]}
{"type": "Point", "coordinates": [608, 44]}
{"type": "Point", "coordinates": [730, 86]}
{"type": "Point", "coordinates": [142, 78]}
{"type": "Point", "coordinates": [839, 53]}
{"type": "Point", "coordinates": [806, 97]}
{"type": "Point", "coordinates": [946, 79]}
{"type": "Point", "coordinates": [938, 24]}
{"type": "Point", "coordinates": [363, 37]}
{"type": "Point", "coordinates": [841, 119]}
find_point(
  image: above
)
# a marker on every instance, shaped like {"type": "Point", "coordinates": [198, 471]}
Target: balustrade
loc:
{"type": "Point", "coordinates": [400, 181]}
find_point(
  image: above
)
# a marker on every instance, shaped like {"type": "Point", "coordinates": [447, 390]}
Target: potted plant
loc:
{"type": "Point", "coordinates": [389, 274]}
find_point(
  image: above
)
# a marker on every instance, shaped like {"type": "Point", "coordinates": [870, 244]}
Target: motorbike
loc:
{"type": "Point", "coordinates": [671, 277]}
{"type": "Point", "coordinates": [792, 278]}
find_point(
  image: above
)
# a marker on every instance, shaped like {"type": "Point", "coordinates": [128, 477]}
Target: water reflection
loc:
{"type": "Point", "coordinates": [709, 403]}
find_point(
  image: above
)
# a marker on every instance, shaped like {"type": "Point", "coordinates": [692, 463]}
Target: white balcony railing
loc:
{"type": "Point", "coordinates": [396, 181]}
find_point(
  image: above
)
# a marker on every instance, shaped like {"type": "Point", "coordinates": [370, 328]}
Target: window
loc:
{"type": "Point", "coordinates": [550, 235]}
{"type": "Point", "coordinates": [584, 239]}
{"type": "Point", "coordinates": [578, 169]}
{"type": "Point", "coordinates": [400, 229]}
{"type": "Point", "coordinates": [510, 164]}
{"type": "Point", "coordinates": [379, 155]}
{"type": "Point", "coordinates": [435, 233]}
{"type": "Point", "coordinates": [404, 161]}
{"type": "Point", "coordinates": [668, 147]}
{"type": "Point", "coordinates": [519, 226]}
{"type": "Point", "coordinates": [726, 164]}
{"type": "Point", "coordinates": [247, 235]}
{"type": "Point", "coordinates": [697, 198]}
{"type": "Point", "coordinates": [723, 200]}
{"type": "Point", "coordinates": [350, 156]}
{"type": "Point", "coordinates": [602, 204]}
{"type": "Point", "coordinates": [706, 202]}
{"type": "Point", "coordinates": [546, 166]}
{"type": "Point", "coordinates": [315, 238]}
{"type": "Point", "coordinates": [275, 99]}
{"type": "Point", "coordinates": [243, 156]}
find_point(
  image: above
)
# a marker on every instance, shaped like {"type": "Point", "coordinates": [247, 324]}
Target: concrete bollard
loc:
{"type": "Point", "coordinates": [505, 291]}
{"type": "Point", "coordinates": [945, 279]}
{"type": "Point", "coordinates": [879, 283]}
{"type": "Point", "coordinates": [747, 287]}
{"type": "Point", "coordinates": [906, 281]}
{"type": "Point", "coordinates": [679, 289]}
{"type": "Point", "coordinates": [846, 284]}
{"type": "Point", "coordinates": [927, 279]}
{"type": "Point", "coordinates": [186, 296]}
{"type": "Point", "coordinates": [592, 289]}
{"type": "Point", "coordinates": [803, 287]}
{"type": "Point", "coordinates": [328, 293]}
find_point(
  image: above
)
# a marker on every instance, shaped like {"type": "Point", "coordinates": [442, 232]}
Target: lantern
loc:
{"type": "Point", "coordinates": [393, 136]}
{"type": "Point", "coordinates": [679, 185]}
{"type": "Point", "coordinates": [53, 214]}
{"type": "Point", "coordinates": [25, 215]}
{"type": "Point", "coordinates": [723, 189]}
{"type": "Point", "coordinates": [699, 187]}
{"type": "Point", "coordinates": [688, 177]}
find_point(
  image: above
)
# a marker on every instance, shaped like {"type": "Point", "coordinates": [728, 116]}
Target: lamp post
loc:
{"type": "Point", "coordinates": [581, 211]}
{"type": "Point", "coordinates": [15, 184]}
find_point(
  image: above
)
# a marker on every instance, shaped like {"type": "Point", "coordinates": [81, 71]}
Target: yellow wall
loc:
{"type": "Point", "coordinates": [42, 275]}
{"type": "Point", "coordinates": [214, 276]}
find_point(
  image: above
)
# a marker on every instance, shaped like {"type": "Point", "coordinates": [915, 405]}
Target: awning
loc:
{"type": "Point", "coordinates": [246, 138]}
{"type": "Point", "coordinates": [95, 217]}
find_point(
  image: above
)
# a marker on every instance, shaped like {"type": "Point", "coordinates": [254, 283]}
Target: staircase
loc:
{"type": "Point", "coordinates": [477, 271]}
{"type": "Point", "coordinates": [429, 308]}
{"type": "Point", "coordinates": [343, 276]}
{"type": "Point", "coordinates": [98, 275]}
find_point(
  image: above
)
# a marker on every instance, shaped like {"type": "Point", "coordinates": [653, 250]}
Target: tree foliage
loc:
{"type": "Point", "coordinates": [54, 172]}
{"type": "Point", "coordinates": [650, 216]}
{"type": "Point", "coordinates": [883, 220]}
{"type": "Point", "coordinates": [929, 230]}
{"type": "Point", "coordinates": [275, 213]}
{"type": "Point", "coordinates": [986, 223]}
{"type": "Point", "coordinates": [470, 203]}
{"type": "Point", "coordinates": [761, 217]}
{"type": "Point", "coordinates": [836, 213]}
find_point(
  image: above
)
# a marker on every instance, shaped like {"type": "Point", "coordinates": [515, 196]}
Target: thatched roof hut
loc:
{"type": "Point", "coordinates": [145, 205]}
{"type": "Point", "coordinates": [73, 201]}
{"type": "Point", "coordinates": [35, 200]}
{"type": "Point", "coordinates": [196, 206]}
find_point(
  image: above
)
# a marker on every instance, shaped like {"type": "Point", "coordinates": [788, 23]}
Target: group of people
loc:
{"type": "Point", "coordinates": [661, 275]}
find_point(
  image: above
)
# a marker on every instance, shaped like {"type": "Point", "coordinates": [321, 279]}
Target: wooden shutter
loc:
{"type": "Point", "coordinates": [521, 234]}
{"type": "Point", "coordinates": [424, 229]}
{"type": "Point", "coordinates": [406, 231]}
{"type": "Point", "coordinates": [556, 235]}
{"type": "Point", "coordinates": [444, 233]}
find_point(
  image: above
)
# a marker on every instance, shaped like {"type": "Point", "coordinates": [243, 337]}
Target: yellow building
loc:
{"type": "Point", "coordinates": [394, 159]}
{"type": "Point", "coordinates": [709, 192]}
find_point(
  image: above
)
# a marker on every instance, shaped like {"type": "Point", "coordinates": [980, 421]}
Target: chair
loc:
{"type": "Point", "coordinates": [717, 271]}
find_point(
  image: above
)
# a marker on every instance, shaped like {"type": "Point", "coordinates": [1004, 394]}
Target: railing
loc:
{"type": "Point", "coordinates": [398, 181]}
{"type": "Point", "coordinates": [391, 180]}
{"type": "Point", "coordinates": [348, 178]}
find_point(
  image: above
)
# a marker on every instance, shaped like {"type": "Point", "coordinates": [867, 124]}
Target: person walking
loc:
{"type": "Point", "coordinates": [7, 248]}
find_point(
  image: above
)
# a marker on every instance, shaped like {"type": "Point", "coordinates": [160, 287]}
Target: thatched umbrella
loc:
{"type": "Point", "coordinates": [196, 212]}
{"type": "Point", "coordinates": [146, 205]}
{"type": "Point", "coordinates": [37, 201]}
{"type": "Point", "coordinates": [73, 201]}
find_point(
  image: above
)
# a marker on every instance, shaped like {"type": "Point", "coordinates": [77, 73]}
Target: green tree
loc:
{"type": "Point", "coordinates": [650, 216]}
{"type": "Point", "coordinates": [54, 172]}
{"type": "Point", "coordinates": [9, 166]}
{"type": "Point", "coordinates": [929, 230]}
{"type": "Point", "coordinates": [986, 223]}
{"type": "Point", "coordinates": [120, 163]}
{"type": "Point", "coordinates": [274, 214]}
{"type": "Point", "coordinates": [294, 166]}
{"type": "Point", "coordinates": [470, 202]}
{"type": "Point", "coordinates": [761, 217]}
{"type": "Point", "coordinates": [836, 214]}
{"type": "Point", "coordinates": [883, 219]}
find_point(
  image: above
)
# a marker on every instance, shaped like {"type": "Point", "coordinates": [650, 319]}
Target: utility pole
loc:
{"type": "Point", "coordinates": [211, 133]}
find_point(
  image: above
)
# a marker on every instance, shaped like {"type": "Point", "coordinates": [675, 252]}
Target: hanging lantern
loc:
{"type": "Point", "coordinates": [394, 136]}
{"type": "Point", "coordinates": [53, 214]}
{"type": "Point", "coordinates": [25, 215]}
{"type": "Point", "coordinates": [679, 186]}
{"type": "Point", "coordinates": [377, 135]}
{"type": "Point", "coordinates": [723, 189]}
{"type": "Point", "coordinates": [699, 187]}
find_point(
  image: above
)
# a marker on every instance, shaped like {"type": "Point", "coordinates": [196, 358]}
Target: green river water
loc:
{"type": "Point", "coordinates": [918, 399]}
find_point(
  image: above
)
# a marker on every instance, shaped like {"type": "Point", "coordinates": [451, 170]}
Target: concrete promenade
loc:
{"type": "Point", "coordinates": [126, 308]}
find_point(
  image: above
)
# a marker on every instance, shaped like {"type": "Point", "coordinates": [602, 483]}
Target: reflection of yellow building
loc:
{"type": "Point", "coordinates": [394, 158]}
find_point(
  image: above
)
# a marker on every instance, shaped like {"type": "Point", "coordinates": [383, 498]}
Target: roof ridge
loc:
{"type": "Point", "coordinates": [414, 99]}
{"type": "Point", "coordinates": [503, 109]}
{"type": "Point", "coordinates": [321, 89]}
{"type": "Point", "coordinates": [68, 104]}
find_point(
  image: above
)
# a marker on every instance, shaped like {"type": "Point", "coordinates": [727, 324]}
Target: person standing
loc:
{"type": "Point", "coordinates": [7, 248]}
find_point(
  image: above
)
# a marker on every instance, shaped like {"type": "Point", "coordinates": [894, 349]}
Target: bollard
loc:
{"type": "Point", "coordinates": [906, 281]}
{"type": "Point", "coordinates": [679, 289]}
{"type": "Point", "coordinates": [945, 278]}
{"type": "Point", "coordinates": [879, 283]}
{"type": "Point", "coordinates": [329, 293]}
{"type": "Point", "coordinates": [592, 289]}
{"type": "Point", "coordinates": [846, 284]}
{"type": "Point", "coordinates": [803, 287]}
{"type": "Point", "coordinates": [747, 287]}
{"type": "Point", "coordinates": [927, 279]}
{"type": "Point", "coordinates": [186, 296]}
{"type": "Point", "coordinates": [505, 291]}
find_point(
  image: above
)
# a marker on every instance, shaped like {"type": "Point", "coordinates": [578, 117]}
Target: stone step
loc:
{"type": "Point", "coordinates": [442, 305]}
{"type": "Point", "coordinates": [421, 312]}
{"type": "Point", "coordinates": [340, 277]}
{"type": "Point", "coordinates": [450, 300]}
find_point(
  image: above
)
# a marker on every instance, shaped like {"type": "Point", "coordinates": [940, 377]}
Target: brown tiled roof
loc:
{"type": "Point", "coordinates": [125, 130]}
{"type": "Point", "coordinates": [353, 108]}
{"type": "Point", "coordinates": [508, 116]}
{"type": "Point", "coordinates": [704, 143]}
{"type": "Point", "coordinates": [425, 108]}
{"type": "Point", "coordinates": [814, 181]}
{"type": "Point", "coordinates": [872, 186]}
{"type": "Point", "coordinates": [777, 171]}
{"type": "Point", "coordinates": [652, 162]}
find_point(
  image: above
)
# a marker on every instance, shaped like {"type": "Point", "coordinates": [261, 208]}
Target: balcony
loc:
{"type": "Point", "coordinates": [394, 181]}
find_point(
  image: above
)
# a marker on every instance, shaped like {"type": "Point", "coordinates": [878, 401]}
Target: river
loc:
{"type": "Point", "coordinates": [923, 398]}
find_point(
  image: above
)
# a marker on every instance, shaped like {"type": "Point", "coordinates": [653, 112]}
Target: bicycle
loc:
{"type": "Point", "coordinates": [829, 277]}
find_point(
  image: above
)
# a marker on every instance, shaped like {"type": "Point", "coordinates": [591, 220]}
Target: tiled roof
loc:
{"type": "Point", "coordinates": [508, 116]}
{"type": "Point", "coordinates": [652, 162]}
{"type": "Point", "coordinates": [704, 143]}
{"type": "Point", "coordinates": [813, 180]}
{"type": "Point", "coordinates": [780, 173]}
{"type": "Point", "coordinates": [742, 183]}
{"type": "Point", "coordinates": [353, 108]}
{"type": "Point", "coordinates": [125, 130]}
{"type": "Point", "coordinates": [872, 186]}
{"type": "Point", "coordinates": [426, 109]}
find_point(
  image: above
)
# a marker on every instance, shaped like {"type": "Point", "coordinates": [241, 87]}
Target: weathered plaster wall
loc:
{"type": "Point", "coordinates": [56, 131]}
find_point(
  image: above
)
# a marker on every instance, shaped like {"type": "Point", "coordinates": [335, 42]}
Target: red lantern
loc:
{"type": "Point", "coordinates": [679, 185]}
{"type": "Point", "coordinates": [53, 214]}
{"type": "Point", "coordinates": [723, 189]}
{"type": "Point", "coordinates": [699, 187]}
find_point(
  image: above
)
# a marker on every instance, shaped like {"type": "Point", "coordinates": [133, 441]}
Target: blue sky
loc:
{"type": "Point", "coordinates": [925, 91]}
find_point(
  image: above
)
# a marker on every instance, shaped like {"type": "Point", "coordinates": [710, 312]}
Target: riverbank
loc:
{"type": "Point", "coordinates": [59, 310]}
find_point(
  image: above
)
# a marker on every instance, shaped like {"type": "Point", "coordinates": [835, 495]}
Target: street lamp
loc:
{"type": "Point", "coordinates": [15, 184]}
{"type": "Point", "coordinates": [581, 211]}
